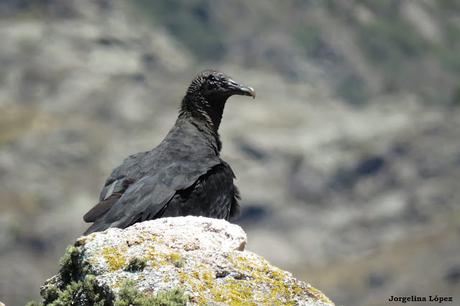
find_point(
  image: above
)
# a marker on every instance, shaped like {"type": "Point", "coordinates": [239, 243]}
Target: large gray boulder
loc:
{"type": "Point", "coordinates": [173, 261]}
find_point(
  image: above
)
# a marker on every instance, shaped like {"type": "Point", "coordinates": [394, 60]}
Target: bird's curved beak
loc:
{"type": "Point", "coordinates": [239, 89]}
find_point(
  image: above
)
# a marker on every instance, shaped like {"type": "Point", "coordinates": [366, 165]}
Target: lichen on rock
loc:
{"type": "Point", "coordinates": [173, 261]}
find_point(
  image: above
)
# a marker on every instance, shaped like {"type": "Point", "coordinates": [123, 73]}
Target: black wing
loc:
{"type": "Point", "coordinates": [147, 197]}
{"type": "Point", "coordinates": [116, 185]}
{"type": "Point", "coordinates": [111, 193]}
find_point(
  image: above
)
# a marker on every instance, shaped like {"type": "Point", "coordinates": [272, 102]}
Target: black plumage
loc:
{"type": "Point", "coordinates": [184, 174]}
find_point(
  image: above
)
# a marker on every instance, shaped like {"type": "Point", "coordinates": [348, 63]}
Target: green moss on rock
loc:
{"type": "Point", "coordinates": [136, 264]}
{"type": "Point", "coordinates": [130, 296]}
{"type": "Point", "coordinates": [85, 292]}
{"type": "Point", "coordinates": [69, 263]}
{"type": "Point", "coordinates": [74, 285]}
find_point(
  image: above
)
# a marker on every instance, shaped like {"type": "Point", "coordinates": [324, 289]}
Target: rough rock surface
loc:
{"type": "Point", "coordinates": [204, 258]}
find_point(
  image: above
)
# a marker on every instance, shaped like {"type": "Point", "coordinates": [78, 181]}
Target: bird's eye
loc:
{"type": "Point", "coordinates": [212, 78]}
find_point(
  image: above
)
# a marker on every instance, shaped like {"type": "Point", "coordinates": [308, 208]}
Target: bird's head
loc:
{"type": "Point", "coordinates": [208, 93]}
{"type": "Point", "coordinates": [214, 85]}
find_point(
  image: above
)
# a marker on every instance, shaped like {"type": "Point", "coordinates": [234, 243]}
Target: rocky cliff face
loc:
{"type": "Point", "coordinates": [173, 261]}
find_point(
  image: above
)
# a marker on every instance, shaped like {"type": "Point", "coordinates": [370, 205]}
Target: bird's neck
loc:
{"type": "Point", "coordinates": [205, 115]}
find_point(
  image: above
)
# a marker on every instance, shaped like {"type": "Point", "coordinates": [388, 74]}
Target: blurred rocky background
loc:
{"type": "Point", "coordinates": [348, 161]}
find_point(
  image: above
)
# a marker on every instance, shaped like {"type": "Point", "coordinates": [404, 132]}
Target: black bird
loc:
{"type": "Point", "coordinates": [184, 174]}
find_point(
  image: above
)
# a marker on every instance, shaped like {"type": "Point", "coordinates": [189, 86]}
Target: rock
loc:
{"type": "Point", "coordinates": [173, 261]}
